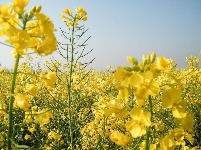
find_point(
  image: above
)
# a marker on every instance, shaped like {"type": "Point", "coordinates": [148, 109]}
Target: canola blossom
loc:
{"type": "Point", "coordinates": [147, 105]}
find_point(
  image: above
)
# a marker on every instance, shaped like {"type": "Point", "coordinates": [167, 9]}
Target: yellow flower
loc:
{"type": "Point", "coordinates": [19, 39]}
{"type": "Point", "coordinates": [119, 138]}
{"type": "Point", "coordinates": [67, 11]}
{"type": "Point", "coordinates": [168, 143]}
{"type": "Point", "coordinates": [27, 136]}
{"type": "Point", "coordinates": [144, 84]}
{"type": "Point", "coordinates": [123, 94]}
{"type": "Point", "coordinates": [186, 123]}
{"type": "Point", "coordinates": [79, 9]}
{"type": "Point", "coordinates": [32, 129]}
{"type": "Point", "coordinates": [140, 119]}
{"type": "Point", "coordinates": [115, 108]}
{"type": "Point", "coordinates": [49, 79]}
{"type": "Point", "coordinates": [43, 27]}
{"type": "Point", "coordinates": [162, 63]}
{"type": "Point", "coordinates": [42, 117]}
{"type": "Point", "coordinates": [19, 5]}
{"type": "Point", "coordinates": [32, 89]}
{"type": "Point", "coordinates": [172, 99]}
{"type": "Point", "coordinates": [22, 102]}
{"type": "Point", "coordinates": [54, 135]}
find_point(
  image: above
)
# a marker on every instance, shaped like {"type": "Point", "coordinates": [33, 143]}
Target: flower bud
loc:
{"type": "Point", "coordinates": [38, 8]}
{"type": "Point", "coordinates": [33, 9]}
{"type": "Point", "coordinates": [144, 59]}
{"type": "Point", "coordinates": [153, 57]}
{"type": "Point", "coordinates": [132, 60]}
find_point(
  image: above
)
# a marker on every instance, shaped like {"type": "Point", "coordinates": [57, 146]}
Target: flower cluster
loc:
{"type": "Point", "coordinates": [33, 30]}
{"type": "Point", "coordinates": [71, 20]}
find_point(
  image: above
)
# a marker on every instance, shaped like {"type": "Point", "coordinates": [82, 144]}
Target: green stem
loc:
{"type": "Point", "coordinates": [10, 113]}
{"type": "Point", "coordinates": [148, 128]}
{"type": "Point", "coordinates": [69, 88]}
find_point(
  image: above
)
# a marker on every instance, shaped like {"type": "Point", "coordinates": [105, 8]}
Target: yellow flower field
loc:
{"type": "Point", "coordinates": [148, 105]}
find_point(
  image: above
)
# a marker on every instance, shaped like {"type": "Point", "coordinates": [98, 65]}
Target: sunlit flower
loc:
{"type": "Point", "coordinates": [140, 119]}
{"type": "Point", "coordinates": [54, 135]}
{"type": "Point", "coordinates": [172, 99]}
{"type": "Point", "coordinates": [67, 11]}
{"type": "Point", "coordinates": [162, 63]}
{"type": "Point", "coordinates": [22, 101]}
{"type": "Point", "coordinates": [144, 84]}
{"type": "Point", "coordinates": [27, 136]}
{"type": "Point", "coordinates": [32, 89]}
{"type": "Point", "coordinates": [119, 138]}
{"type": "Point", "coordinates": [42, 117]}
{"type": "Point", "coordinates": [49, 79]}
{"type": "Point", "coordinates": [19, 5]}
{"type": "Point", "coordinates": [168, 143]}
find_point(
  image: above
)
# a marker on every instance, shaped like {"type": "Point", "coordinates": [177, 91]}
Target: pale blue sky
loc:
{"type": "Point", "coordinates": [171, 28]}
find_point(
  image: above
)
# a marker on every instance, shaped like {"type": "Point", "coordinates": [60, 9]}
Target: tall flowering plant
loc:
{"type": "Point", "coordinates": [24, 30]}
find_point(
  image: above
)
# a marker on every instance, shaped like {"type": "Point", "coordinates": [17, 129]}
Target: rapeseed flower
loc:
{"type": "Point", "coordinates": [22, 101]}
{"type": "Point", "coordinates": [49, 79]}
{"type": "Point", "coordinates": [144, 85]}
{"type": "Point", "coordinates": [119, 138]}
{"type": "Point", "coordinates": [32, 89]}
{"type": "Point", "coordinates": [172, 99]}
{"type": "Point", "coordinates": [140, 119]}
{"type": "Point", "coordinates": [19, 5]}
{"type": "Point", "coordinates": [42, 117]}
{"type": "Point", "coordinates": [162, 63]}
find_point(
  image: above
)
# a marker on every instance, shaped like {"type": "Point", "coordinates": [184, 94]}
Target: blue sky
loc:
{"type": "Point", "coordinates": [119, 28]}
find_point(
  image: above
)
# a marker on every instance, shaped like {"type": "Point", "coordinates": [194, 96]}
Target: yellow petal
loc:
{"type": "Point", "coordinates": [135, 129]}
{"type": "Point", "coordinates": [178, 110]}
{"type": "Point", "coordinates": [162, 63]}
{"type": "Point", "coordinates": [123, 94]}
{"type": "Point", "coordinates": [171, 97]}
{"type": "Point", "coordinates": [119, 138]}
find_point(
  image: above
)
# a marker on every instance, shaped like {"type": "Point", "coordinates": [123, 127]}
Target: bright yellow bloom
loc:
{"type": "Point", "coordinates": [79, 9]}
{"type": "Point", "coordinates": [22, 101]}
{"type": "Point", "coordinates": [186, 123]}
{"type": "Point", "coordinates": [162, 63]}
{"type": "Point", "coordinates": [123, 94]}
{"type": "Point", "coordinates": [19, 39]}
{"type": "Point", "coordinates": [172, 99]}
{"type": "Point", "coordinates": [144, 84]}
{"type": "Point", "coordinates": [140, 119]}
{"type": "Point", "coordinates": [32, 129]}
{"type": "Point", "coordinates": [42, 117]}
{"type": "Point", "coordinates": [54, 135]}
{"type": "Point", "coordinates": [115, 108]}
{"type": "Point", "coordinates": [67, 11]}
{"type": "Point", "coordinates": [122, 75]}
{"type": "Point", "coordinates": [168, 143]}
{"type": "Point", "coordinates": [27, 136]}
{"type": "Point", "coordinates": [32, 89]}
{"type": "Point", "coordinates": [19, 5]}
{"type": "Point", "coordinates": [119, 138]}
{"type": "Point", "coordinates": [49, 79]}
{"type": "Point", "coordinates": [7, 18]}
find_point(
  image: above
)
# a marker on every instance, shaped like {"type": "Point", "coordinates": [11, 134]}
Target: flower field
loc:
{"type": "Point", "coordinates": [151, 104]}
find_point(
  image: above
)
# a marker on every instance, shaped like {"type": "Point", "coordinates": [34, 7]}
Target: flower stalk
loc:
{"type": "Point", "coordinates": [11, 102]}
{"type": "Point", "coordinates": [148, 130]}
{"type": "Point", "coordinates": [70, 87]}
